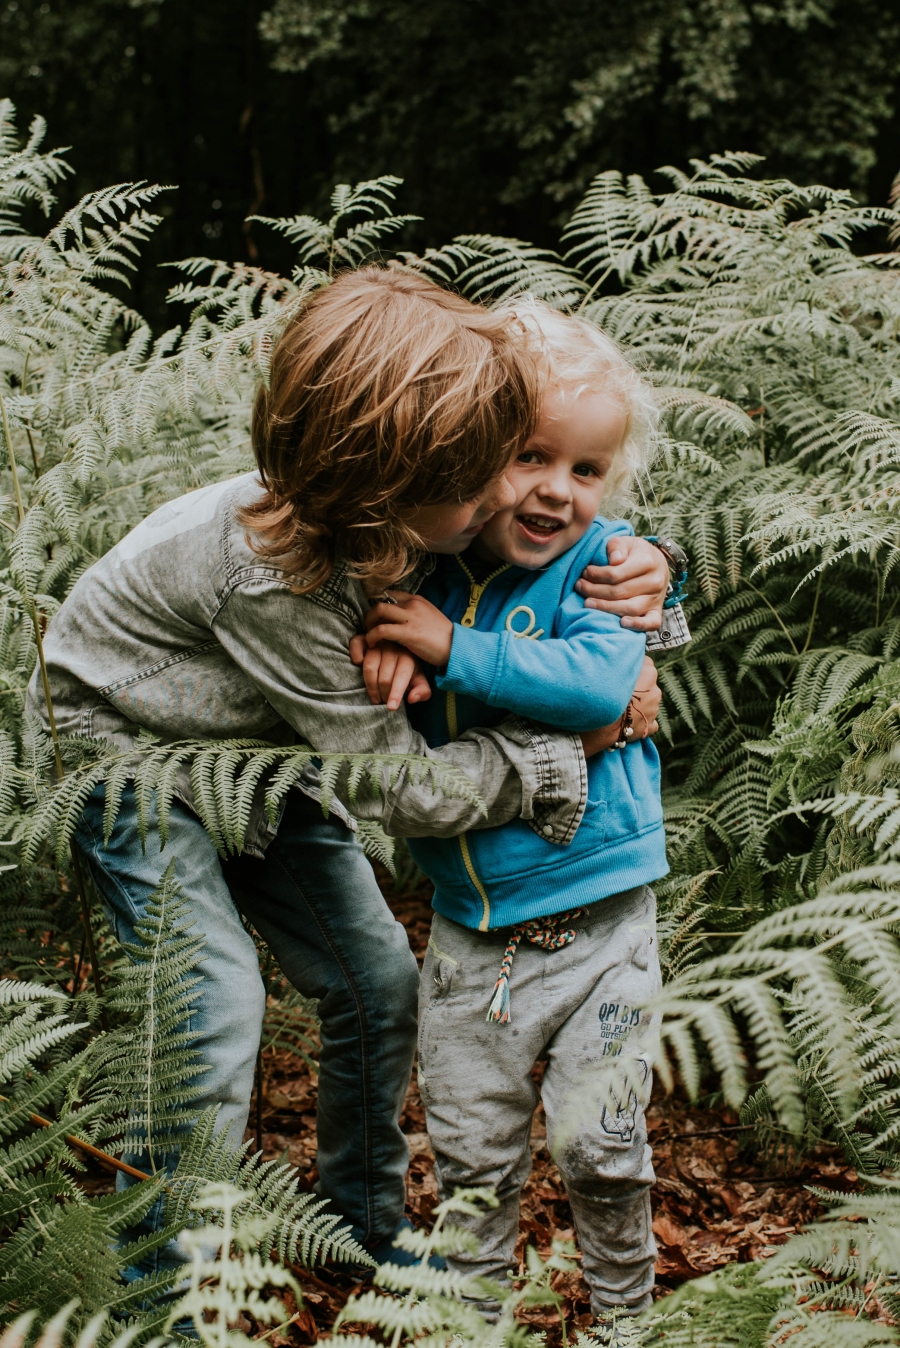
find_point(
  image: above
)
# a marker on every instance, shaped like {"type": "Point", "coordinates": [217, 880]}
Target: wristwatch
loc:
{"type": "Point", "coordinates": [677, 558]}
{"type": "Point", "coordinates": [674, 630]}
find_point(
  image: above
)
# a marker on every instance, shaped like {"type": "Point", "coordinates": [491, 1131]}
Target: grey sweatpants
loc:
{"type": "Point", "coordinates": [570, 1006]}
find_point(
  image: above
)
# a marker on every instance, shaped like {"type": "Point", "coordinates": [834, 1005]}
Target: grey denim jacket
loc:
{"type": "Point", "coordinates": [183, 630]}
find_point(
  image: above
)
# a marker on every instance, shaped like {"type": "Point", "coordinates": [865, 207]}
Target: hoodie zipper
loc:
{"type": "Point", "coordinates": [476, 590]}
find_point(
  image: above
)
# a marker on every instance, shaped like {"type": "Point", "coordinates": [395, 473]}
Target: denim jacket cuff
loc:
{"type": "Point", "coordinates": [558, 791]}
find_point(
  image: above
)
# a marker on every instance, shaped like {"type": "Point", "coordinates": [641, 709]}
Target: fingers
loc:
{"type": "Point", "coordinates": [595, 741]}
{"type": "Point", "coordinates": [647, 705]}
{"type": "Point", "coordinates": [643, 725]}
{"type": "Point", "coordinates": [603, 584]}
{"type": "Point", "coordinates": [379, 669]}
{"type": "Point", "coordinates": [387, 667]}
{"type": "Point", "coordinates": [638, 606]}
{"type": "Point", "coordinates": [651, 622]}
{"type": "Point", "coordinates": [647, 676]}
{"type": "Point", "coordinates": [386, 634]}
{"type": "Point", "coordinates": [646, 700]}
{"type": "Point", "coordinates": [380, 614]}
{"type": "Point", "coordinates": [391, 609]}
{"type": "Point", "coordinates": [633, 556]}
{"type": "Point", "coordinates": [419, 688]}
{"type": "Point", "coordinates": [371, 670]}
{"type": "Point", "coordinates": [648, 694]}
{"type": "Point", "coordinates": [371, 659]}
{"type": "Point", "coordinates": [390, 673]}
{"type": "Point", "coordinates": [619, 548]}
{"type": "Point", "coordinates": [418, 626]}
{"type": "Point", "coordinates": [637, 572]}
{"type": "Point", "coordinates": [404, 670]}
{"type": "Point", "coordinates": [650, 566]}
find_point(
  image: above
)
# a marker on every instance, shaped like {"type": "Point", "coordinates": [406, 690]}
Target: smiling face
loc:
{"type": "Point", "coordinates": [559, 479]}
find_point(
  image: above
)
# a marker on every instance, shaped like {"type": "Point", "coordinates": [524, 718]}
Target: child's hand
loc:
{"type": "Point", "coordinates": [388, 672]}
{"type": "Point", "coordinates": [645, 701]}
{"type": "Point", "coordinates": [414, 623]}
{"type": "Point", "coordinates": [645, 704]}
{"type": "Point", "coordinates": [634, 584]}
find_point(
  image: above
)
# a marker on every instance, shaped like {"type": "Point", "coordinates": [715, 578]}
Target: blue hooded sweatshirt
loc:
{"type": "Point", "coordinates": [580, 676]}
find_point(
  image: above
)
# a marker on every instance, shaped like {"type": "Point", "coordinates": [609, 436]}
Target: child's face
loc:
{"type": "Point", "coordinates": [452, 527]}
{"type": "Point", "coordinates": [559, 479]}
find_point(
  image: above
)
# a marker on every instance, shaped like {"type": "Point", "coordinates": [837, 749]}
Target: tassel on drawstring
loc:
{"type": "Point", "coordinates": [499, 1008]}
{"type": "Point", "coordinates": [546, 932]}
{"type": "Point", "coordinates": [498, 1011]}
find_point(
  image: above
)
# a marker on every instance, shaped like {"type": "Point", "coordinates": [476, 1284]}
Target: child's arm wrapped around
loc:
{"type": "Point", "coordinates": [583, 676]}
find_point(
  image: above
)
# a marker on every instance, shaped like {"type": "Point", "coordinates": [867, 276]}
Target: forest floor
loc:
{"type": "Point", "coordinates": [716, 1198]}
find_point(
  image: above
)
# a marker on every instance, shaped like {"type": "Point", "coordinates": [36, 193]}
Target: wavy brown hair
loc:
{"type": "Point", "coordinates": [386, 394]}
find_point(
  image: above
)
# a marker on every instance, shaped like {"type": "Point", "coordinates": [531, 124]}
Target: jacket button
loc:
{"type": "Point", "coordinates": [547, 830]}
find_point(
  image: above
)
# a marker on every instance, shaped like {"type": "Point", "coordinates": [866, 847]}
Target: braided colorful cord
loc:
{"type": "Point", "coordinates": [549, 933]}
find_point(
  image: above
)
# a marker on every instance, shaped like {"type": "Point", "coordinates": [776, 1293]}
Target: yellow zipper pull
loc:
{"type": "Point", "coordinates": [475, 593]}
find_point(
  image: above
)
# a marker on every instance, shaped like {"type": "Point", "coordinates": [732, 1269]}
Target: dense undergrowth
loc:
{"type": "Point", "coordinates": [771, 334]}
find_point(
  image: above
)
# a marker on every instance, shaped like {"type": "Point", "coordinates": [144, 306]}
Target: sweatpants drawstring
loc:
{"type": "Point", "coordinates": [549, 933]}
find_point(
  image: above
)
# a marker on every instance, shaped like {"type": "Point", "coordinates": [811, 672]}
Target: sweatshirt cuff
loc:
{"type": "Point", "coordinates": [475, 658]}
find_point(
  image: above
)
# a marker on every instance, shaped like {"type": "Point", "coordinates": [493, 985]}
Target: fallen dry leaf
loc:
{"type": "Point", "coordinates": [669, 1232]}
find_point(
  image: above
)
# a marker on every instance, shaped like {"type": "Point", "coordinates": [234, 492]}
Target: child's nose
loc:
{"type": "Point", "coordinates": [555, 487]}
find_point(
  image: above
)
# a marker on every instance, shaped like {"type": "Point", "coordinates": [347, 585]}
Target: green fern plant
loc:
{"type": "Point", "coordinates": [291, 1023]}
{"type": "Point", "coordinates": [360, 242]}
{"type": "Point", "coordinates": [161, 1074]}
{"type": "Point", "coordinates": [438, 1305]}
{"type": "Point", "coordinates": [771, 337]}
{"type": "Point", "coordinates": [228, 1274]}
{"type": "Point", "coordinates": [57, 1245]}
{"type": "Point", "coordinates": [131, 1092]}
{"type": "Point", "coordinates": [225, 776]}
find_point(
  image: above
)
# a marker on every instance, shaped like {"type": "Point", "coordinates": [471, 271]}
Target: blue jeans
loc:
{"type": "Point", "coordinates": [315, 902]}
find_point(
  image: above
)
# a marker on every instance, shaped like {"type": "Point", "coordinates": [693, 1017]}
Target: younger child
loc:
{"type": "Point", "coordinates": [543, 951]}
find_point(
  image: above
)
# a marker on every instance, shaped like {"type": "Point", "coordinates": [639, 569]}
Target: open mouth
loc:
{"type": "Point", "coordinates": [539, 528]}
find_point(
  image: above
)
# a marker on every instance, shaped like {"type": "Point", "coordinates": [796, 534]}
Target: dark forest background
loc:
{"type": "Point", "coordinates": [496, 112]}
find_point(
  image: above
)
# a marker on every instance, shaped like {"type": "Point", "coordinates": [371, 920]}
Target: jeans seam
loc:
{"type": "Point", "coordinates": [149, 671]}
{"type": "Point", "coordinates": [92, 857]}
{"type": "Point", "coordinates": [363, 1037]}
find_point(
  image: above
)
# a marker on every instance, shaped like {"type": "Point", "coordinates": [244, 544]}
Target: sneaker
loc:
{"type": "Point", "coordinates": [386, 1251]}
{"type": "Point", "coordinates": [488, 1308]}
